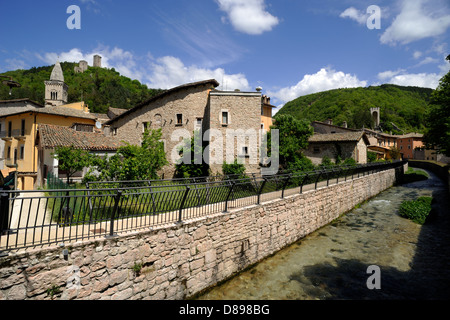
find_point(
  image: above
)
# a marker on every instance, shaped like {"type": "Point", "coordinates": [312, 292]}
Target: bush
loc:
{"type": "Point", "coordinates": [237, 169]}
{"type": "Point", "coordinates": [416, 210]}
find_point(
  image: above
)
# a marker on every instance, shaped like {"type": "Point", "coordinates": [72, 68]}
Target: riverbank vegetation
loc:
{"type": "Point", "coordinates": [416, 210]}
{"type": "Point", "coordinates": [413, 175]}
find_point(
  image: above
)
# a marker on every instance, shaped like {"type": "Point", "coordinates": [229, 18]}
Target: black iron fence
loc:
{"type": "Point", "coordinates": [36, 218]}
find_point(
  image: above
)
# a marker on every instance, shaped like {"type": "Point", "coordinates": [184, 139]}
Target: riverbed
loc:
{"type": "Point", "coordinates": [333, 262]}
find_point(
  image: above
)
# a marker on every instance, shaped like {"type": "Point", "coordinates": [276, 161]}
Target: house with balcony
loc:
{"type": "Point", "coordinates": [19, 122]}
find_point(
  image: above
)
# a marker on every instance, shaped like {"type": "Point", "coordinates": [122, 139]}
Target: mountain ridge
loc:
{"type": "Point", "coordinates": [401, 107]}
{"type": "Point", "coordinates": [100, 88]}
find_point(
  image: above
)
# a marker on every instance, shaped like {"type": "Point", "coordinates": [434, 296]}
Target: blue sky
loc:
{"type": "Point", "coordinates": [288, 47]}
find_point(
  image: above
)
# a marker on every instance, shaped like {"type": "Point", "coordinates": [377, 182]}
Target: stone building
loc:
{"type": "Point", "coordinates": [193, 107]}
{"type": "Point", "coordinates": [345, 145]}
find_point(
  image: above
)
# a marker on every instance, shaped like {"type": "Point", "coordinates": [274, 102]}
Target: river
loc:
{"type": "Point", "coordinates": [332, 262]}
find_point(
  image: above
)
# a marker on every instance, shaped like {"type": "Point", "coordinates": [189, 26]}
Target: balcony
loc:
{"type": "Point", "coordinates": [11, 163]}
{"type": "Point", "coordinates": [19, 134]}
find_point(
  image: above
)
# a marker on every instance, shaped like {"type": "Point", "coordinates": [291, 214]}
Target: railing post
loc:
{"type": "Point", "coordinates": [180, 217]}
{"type": "Point", "coordinates": [285, 185]}
{"type": "Point", "coordinates": [113, 215]}
{"type": "Point", "coordinates": [261, 189]}
{"type": "Point", "coordinates": [233, 183]}
{"type": "Point", "coordinates": [317, 180]}
{"type": "Point", "coordinates": [303, 182]}
{"type": "Point", "coordinates": [4, 212]}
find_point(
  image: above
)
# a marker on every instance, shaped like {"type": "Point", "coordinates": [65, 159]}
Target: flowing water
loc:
{"type": "Point", "coordinates": [332, 262]}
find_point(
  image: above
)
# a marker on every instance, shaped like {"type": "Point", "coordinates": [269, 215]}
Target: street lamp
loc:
{"type": "Point", "coordinates": [10, 83]}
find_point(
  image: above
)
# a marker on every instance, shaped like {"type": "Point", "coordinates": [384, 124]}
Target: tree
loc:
{"type": "Point", "coordinates": [437, 134]}
{"type": "Point", "coordinates": [192, 169]}
{"type": "Point", "coordinates": [294, 135]}
{"type": "Point", "coordinates": [72, 160]}
{"type": "Point", "coordinates": [133, 162]}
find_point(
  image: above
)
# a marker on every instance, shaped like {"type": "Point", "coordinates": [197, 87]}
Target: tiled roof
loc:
{"type": "Point", "coordinates": [213, 82]}
{"type": "Point", "coordinates": [339, 137]}
{"type": "Point", "coordinates": [116, 111]}
{"type": "Point", "coordinates": [410, 135]}
{"type": "Point", "coordinates": [52, 136]}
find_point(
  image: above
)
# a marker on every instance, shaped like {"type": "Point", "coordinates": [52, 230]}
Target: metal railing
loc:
{"type": "Point", "coordinates": [38, 218]}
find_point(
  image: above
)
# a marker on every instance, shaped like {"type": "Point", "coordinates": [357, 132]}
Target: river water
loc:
{"type": "Point", "coordinates": [332, 262]}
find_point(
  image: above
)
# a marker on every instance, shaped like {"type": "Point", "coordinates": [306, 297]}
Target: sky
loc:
{"type": "Point", "coordinates": [289, 48]}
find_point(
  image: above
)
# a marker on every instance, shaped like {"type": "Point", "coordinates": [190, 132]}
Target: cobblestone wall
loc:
{"type": "Point", "coordinates": [180, 260]}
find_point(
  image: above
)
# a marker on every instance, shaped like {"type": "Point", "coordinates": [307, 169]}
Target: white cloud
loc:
{"type": "Point", "coordinates": [162, 73]}
{"type": "Point", "coordinates": [354, 14]}
{"type": "Point", "coordinates": [248, 16]}
{"type": "Point", "coordinates": [425, 80]}
{"type": "Point", "coordinates": [417, 54]}
{"type": "Point", "coordinates": [389, 74]}
{"type": "Point", "coordinates": [417, 20]}
{"type": "Point", "coordinates": [325, 79]}
{"type": "Point", "coordinates": [168, 72]}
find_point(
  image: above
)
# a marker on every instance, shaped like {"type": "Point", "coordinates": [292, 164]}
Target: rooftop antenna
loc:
{"type": "Point", "coordinates": [10, 83]}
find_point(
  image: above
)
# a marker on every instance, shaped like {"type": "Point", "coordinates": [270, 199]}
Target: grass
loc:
{"type": "Point", "coordinates": [412, 175]}
{"type": "Point", "coordinates": [416, 210]}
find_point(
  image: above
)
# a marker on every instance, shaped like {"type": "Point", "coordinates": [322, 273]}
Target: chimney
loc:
{"type": "Point", "coordinates": [330, 121]}
{"type": "Point", "coordinates": [344, 124]}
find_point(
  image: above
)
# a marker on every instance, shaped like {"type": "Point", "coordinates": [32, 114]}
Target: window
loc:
{"type": "Point", "coordinates": [179, 119]}
{"type": "Point", "coordinates": [198, 123]}
{"type": "Point", "coordinates": [409, 147]}
{"type": "Point", "coordinates": [22, 152]}
{"type": "Point", "coordinates": [22, 131]}
{"type": "Point", "coordinates": [54, 95]}
{"type": "Point", "coordinates": [262, 126]}
{"type": "Point", "coordinates": [8, 154]}
{"type": "Point", "coordinates": [316, 150]}
{"type": "Point", "coordinates": [9, 129]}
{"type": "Point", "coordinates": [245, 151]}
{"type": "Point", "coordinates": [145, 126]}
{"type": "Point", "coordinates": [224, 117]}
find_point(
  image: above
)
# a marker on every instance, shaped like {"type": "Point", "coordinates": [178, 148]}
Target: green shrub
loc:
{"type": "Point", "coordinates": [416, 210]}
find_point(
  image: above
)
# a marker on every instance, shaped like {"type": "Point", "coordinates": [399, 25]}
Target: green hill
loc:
{"type": "Point", "coordinates": [403, 106]}
{"type": "Point", "coordinates": [100, 88]}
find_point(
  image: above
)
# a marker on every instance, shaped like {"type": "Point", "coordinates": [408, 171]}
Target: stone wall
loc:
{"type": "Point", "coordinates": [180, 260]}
{"type": "Point", "coordinates": [244, 119]}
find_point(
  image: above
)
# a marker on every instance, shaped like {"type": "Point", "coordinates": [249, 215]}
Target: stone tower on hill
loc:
{"type": "Point", "coordinates": [56, 89]}
{"type": "Point", "coordinates": [97, 61]}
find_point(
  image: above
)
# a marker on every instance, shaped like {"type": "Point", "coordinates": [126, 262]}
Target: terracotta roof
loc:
{"type": "Point", "coordinates": [339, 137]}
{"type": "Point", "coordinates": [410, 135]}
{"type": "Point", "coordinates": [61, 111]}
{"type": "Point", "coordinates": [161, 95]}
{"type": "Point", "coordinates": [52, 136]}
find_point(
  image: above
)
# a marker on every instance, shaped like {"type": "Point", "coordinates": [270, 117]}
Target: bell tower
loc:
{"type": "Point", "coordinates": [375, 113]}
{"type": "Point", "coordinates": [56, 89]}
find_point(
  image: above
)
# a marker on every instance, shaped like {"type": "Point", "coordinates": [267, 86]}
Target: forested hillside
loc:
{"type": "Point", "coordinates": [402, 107]}
{"type": "Point", "coordinates": [100, 88]}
